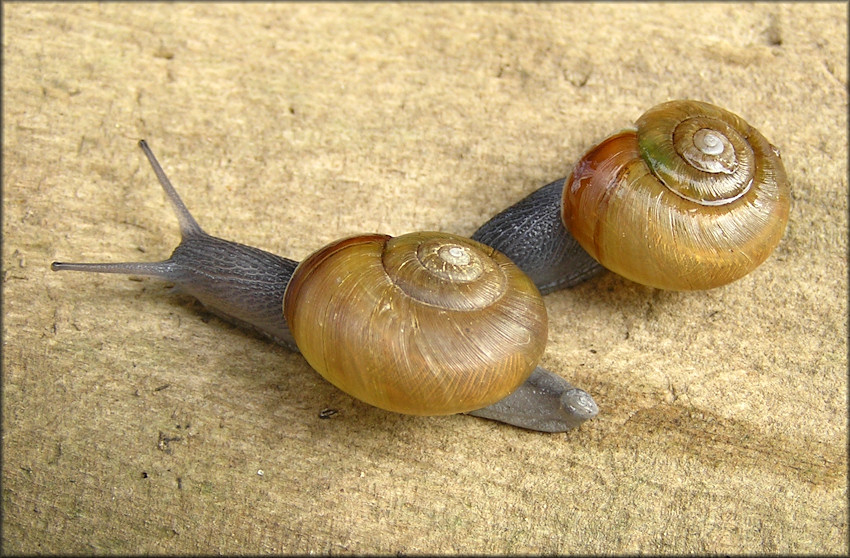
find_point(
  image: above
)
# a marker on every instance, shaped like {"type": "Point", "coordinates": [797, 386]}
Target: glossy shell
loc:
{"type": "Point", "coordinates": [424, 323]}
{"type": "Point", "coordinates": [693, 199]}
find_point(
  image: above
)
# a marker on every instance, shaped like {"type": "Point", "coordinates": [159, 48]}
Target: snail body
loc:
{"type": "Point", "coordinates": [424, 323]}
{"type": "Point", "coordinates": [691, 198]}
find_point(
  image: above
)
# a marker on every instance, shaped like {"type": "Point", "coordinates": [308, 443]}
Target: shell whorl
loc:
{"type": "Point", "coordinates": [698, 151]}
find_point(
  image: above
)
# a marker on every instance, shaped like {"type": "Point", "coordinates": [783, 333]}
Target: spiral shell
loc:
{"type": "Point", "coordinates": [694, 198]}
{"type": "Point", "coordinates": [424, 323]}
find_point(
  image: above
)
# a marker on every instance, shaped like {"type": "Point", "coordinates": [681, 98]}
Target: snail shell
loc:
{"type": "Point", "coordinates": [694, 198]}
{"type": "Point", "coordinates": [448, 325]}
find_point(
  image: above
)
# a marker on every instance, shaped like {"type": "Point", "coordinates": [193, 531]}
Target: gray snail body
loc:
{"type": "Point", "coordinates": [248, 286]}
{"type": "Point", "coordinates": [690, 198]}
{"type": "Point", "coordinates": [532, 234]}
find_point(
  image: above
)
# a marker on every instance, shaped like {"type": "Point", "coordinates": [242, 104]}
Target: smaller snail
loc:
{"type": "Point", "coordinates": [692, 198]}
{"type": "Point", "coordinates": [424, 323]}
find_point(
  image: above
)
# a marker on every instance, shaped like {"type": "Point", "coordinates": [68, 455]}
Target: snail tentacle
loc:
{"type": "Point", "coordinates": [188, 225]}
{"type": "Point", "coordinates": [239, 283]}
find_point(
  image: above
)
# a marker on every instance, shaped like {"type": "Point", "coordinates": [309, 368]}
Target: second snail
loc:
{"type": "Point", "coordinates": [692, 197]}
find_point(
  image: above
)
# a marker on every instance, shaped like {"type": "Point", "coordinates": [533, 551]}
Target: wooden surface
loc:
{"type": "Point", "coordinates": [134, 422]}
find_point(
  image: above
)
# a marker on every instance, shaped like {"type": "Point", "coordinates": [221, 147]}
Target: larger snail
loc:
{"type": "Point", "coordinates": [692, 198]}
{"type": "Point", "coordinates": [424, 323]}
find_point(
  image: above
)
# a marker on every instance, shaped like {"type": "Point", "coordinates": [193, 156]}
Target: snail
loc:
{"type": "Point", "coordinates": [690, 198]}
{"type": "Point", "coordinates": [423, 323]}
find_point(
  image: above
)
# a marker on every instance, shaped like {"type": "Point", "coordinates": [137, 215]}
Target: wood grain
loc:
{"type": "Point", "coordinates": [135, 422]}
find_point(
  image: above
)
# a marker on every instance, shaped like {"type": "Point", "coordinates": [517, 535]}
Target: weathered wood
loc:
{"type": "Point", "coordinates": [132, 421]}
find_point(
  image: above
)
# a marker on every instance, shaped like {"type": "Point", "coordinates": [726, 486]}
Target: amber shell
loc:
{"type": "Point", "coordinates": [424, 323]}
{"type": "Point", "coordinates": [694, 198]}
